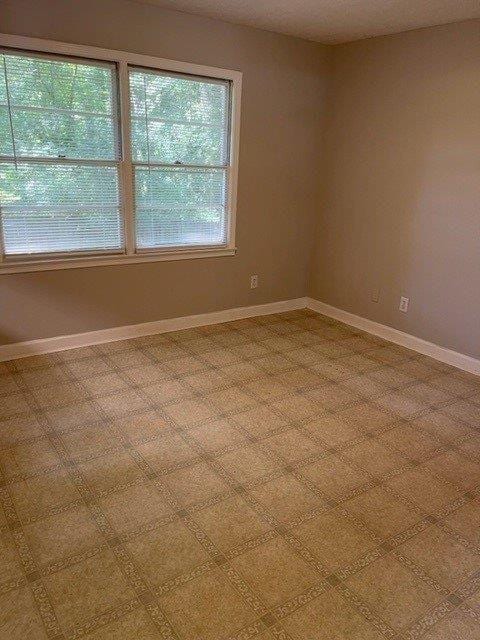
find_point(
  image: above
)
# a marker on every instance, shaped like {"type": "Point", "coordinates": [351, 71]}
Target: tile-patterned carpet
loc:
{"type": "Point", "coordinates": [282, 477]}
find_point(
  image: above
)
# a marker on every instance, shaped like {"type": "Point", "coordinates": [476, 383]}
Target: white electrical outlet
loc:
{"type": "Point", "coordinates": [404, 302]}
{"type": "Point", "coordinates": [375, 295]}
{"type": "Point", "coordinates": [253, 282]}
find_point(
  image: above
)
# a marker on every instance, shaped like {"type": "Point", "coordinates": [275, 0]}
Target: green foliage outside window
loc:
{"type": "Point", "coordinates": [67, 110]}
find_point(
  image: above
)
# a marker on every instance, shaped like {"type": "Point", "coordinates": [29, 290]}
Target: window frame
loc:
{"type": "Point", "coordinates": [129, 254]}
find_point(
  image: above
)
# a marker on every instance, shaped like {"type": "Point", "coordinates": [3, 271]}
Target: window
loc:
{"type": "Point", "coordinates": [60, 156]}
{"type": "Point", "coordinates": [113, 158]}
{"type": "Point", "coordinates": [180, 154]}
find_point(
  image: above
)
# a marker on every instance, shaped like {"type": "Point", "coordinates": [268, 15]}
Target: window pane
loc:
{"type": "Point", "coordinates": [59, 207]}
{"type": "Point", "coordinates": [177, 119]}
{"type": "Point", "coordinates": [177, 207]}
{"type": "Point", "coordinates": [59, 108]}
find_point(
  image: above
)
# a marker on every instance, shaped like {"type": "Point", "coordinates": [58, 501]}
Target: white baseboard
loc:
{"type": "Point", "coordinates": [459, 360]}
{"type": "Point", "coordinates": [61, 343]}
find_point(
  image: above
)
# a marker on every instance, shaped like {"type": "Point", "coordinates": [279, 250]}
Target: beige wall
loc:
{"type": "Point", "coordinates": [282, 110]}
{"type": "Point", "coordinates": [401, 205]}
{"type": "Point", "coordinates": [382, 191]}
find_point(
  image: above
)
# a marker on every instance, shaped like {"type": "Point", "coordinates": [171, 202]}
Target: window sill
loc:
{"type": "Point", "coordinates": [25, 266]}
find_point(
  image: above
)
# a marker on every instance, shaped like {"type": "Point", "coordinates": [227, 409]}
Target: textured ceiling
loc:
{"type": "Point", "coordinates": [331, 21]}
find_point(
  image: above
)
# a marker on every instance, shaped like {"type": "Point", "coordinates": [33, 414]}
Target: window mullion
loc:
{"type": "Point", "coordinates": [126, 168]}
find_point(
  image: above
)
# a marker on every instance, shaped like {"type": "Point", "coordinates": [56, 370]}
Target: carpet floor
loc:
{"type": "Point", "coordinates": [282, 477]}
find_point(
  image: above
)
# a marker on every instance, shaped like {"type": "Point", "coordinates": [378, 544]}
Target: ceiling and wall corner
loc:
{"type": "Point", "coordinates": [331, 21]}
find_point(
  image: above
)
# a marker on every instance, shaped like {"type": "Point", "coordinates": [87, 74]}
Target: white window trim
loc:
{"type": "Point", "coordinates": [123, 59]}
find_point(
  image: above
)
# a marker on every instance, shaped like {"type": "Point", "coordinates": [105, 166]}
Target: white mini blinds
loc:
{"type": "Point", "coordinates": [59, 190]}
{"type": "Point", "coordinates": [70, 188]}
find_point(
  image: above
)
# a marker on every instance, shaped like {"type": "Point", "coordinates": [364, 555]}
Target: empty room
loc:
{"type": "Point", "coordinates": [239, 320]}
